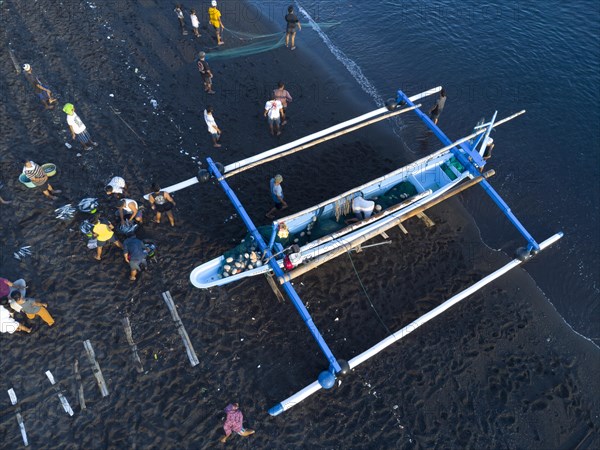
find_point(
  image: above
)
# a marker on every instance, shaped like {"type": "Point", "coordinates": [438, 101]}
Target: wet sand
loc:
{"type": "Point", "coordinates": [500, 370]}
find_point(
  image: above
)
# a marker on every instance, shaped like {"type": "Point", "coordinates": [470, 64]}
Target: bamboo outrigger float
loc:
{"type": "Point", "coordinates": [414, 188]}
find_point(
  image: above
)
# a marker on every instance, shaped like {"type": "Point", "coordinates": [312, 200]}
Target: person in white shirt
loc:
{"type": "Point", "coordinates": [78, 128]}
{"type": "Point", "coordinates": [195, 22]}
{"type": "Point", "coordinates": [273, 110]}
{"type": "Point", "coordinates": [128, 210]}
{"type": "Point", "coordinates": [116, 186]}
{"type": "Point", "coordinates": [213, 129]}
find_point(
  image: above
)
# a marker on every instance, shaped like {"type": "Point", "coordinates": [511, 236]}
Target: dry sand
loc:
{"type": "Point", "coordinates": [501, 370]}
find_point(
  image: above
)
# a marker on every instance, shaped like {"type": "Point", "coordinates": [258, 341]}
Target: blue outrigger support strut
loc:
{"type": "Point", "coordinates": [334, 366]}
{"type": "Point", "coordinates": [472, 160]}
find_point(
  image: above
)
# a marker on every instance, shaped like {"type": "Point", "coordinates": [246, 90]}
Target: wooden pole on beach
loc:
{"type": "Point", "coordinates": [134, 350]}
{"type": "Point", "coordinates": [318, 141]}
{"type": "Point", "coordinates": [80, 394]}
{"type": "Point", "coordinates": [189, 348]}
{"type": "Point", "coordinates": [63, 400]}
{"type": "Point", "coordinates": [13, 401]}
{"type": "Point", "coordinates": [95, 367]}
{"type": "Point", "coordinates": [343, 249]}
{"type": "Point", "coordinates": [314, 387]}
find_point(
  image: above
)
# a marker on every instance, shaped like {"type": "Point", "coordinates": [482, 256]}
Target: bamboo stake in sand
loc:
{"type": "Point", "coordinates": [13, 400]}
{"type": "Point", "coordinates": [95, 368]}
{"type": "Point", "coordinates": [64, 402]}
{"type": "Point", "coordinates": [134, 349]}
{"type": "Point", "coordinates": [189, 348]}
{"type": "Point", "coordinates": [79, 385]}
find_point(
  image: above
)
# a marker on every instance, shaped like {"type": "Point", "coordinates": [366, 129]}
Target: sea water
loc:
{"type": "Point", "coordinates": [495, 56]}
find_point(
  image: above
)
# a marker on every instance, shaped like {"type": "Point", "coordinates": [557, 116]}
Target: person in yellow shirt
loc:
{"type": "Point", "coordinates": [104, 234]}
{"type": "Point", "coordinates": [214, 18]}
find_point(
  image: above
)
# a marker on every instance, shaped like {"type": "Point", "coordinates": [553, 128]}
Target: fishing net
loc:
{"type": "Point", "coordinates": [397, 194]}
{"type": "Point", "coordinates": [252, 44]}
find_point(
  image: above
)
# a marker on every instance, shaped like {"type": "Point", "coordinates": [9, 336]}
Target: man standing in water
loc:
{"type": "Point", "coordinates": [214, 18]}
{"type": "Point", "coordinates": [293, 25]}
{"type": "Point", "coordinates": [436, 110]}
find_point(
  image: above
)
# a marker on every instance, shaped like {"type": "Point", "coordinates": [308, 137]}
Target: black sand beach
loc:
{"type": "Point", "coordinates": [500, 370]}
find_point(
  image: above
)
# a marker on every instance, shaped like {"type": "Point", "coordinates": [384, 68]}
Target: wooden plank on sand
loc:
{"type": "Point", "coordinates": [426, 220]}
{"type": "Point", "coordinates": [189, 348]}
{"type": "Point", "coordinates": [134, 349]}
{"type": "Point", "coordinates": [63, 401]}
{"type": "Point", "coordinates": [273, 285]}
{"type": "Point", "coordinates": [79, 384]}
{"type": "Point", "coordinates": [95, 367]}
{"type": "Point", "coordinates": [13, 400]}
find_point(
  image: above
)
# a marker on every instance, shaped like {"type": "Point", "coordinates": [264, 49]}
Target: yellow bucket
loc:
{"type": "Point", "coordinates": [49, 169]}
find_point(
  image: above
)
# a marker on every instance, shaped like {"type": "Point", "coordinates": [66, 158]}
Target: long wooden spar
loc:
{"type": "Point", "coordinates": [286, 149]}
{"type": "Point", "coordinates": [314, 387]}
{"type": "Point", "coordinates": [301, 270]}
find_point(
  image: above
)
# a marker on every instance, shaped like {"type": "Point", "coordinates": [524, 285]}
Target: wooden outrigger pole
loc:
{"type": "Point", "coordinates": [334, 131]}
{"type": "Point", "coordinates": [405, 331]}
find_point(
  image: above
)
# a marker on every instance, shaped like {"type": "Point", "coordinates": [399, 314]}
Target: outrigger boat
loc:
{"type": "Point", "coordinates": [295, 244]}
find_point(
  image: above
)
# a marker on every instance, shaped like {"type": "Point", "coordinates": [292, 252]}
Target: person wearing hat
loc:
{"type": "Point", "coordinates": [293, 25]}
{"type": "Point", "coordinates": [204, 70]}
{"type": "Point", "coordinates": [43, 93]}
{"type": "Point", "coordinates": [78, 128]}
{"type": "Point", "coordinates": [214, 18]}
{"type": "Point", "coordinates": [37, 176]}
{"type": "Point", "coordinates": [277, 196]}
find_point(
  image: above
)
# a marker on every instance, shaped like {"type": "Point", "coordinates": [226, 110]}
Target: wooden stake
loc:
{"type": "Point", "coordinates": [13, 401]}
{"type": "Point", "coordinates": [276, 291]}
{"type": "Point", "coordinates": [189, 348]}
{"type": "Point", "coordinates": [136, 358]}
{"type": "Point", "coordinates": [95, 367]}
{"type": "Point", "coordinates": [63, 400]}
{"type": "Point", "coordinates": [426, 220]}
{"type": "Point", "coordinates": [79, 385]}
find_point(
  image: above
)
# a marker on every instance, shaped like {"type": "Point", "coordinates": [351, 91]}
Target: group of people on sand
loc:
{"type": "Point", "coordinates": [128, 211]}
{"type": "Point", "coordinates": [214, 21]}
{"type": "Point", "coordinates": [15, 304]}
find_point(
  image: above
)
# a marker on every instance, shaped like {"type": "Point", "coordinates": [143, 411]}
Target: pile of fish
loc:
{"type": "Point", "coordinates": [128, 227]}
{"type": "Point", "coordinates": [23, 252]}
{"type": "Point", "coordinates": [65, 212]}
{"type": "Point", "coordinates": [243, 262]}
{"type": "Point", "coordinates": [88, 205]}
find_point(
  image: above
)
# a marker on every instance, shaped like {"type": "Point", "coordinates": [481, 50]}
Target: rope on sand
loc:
{"type": "Point", "coordinates": [118, 114]}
